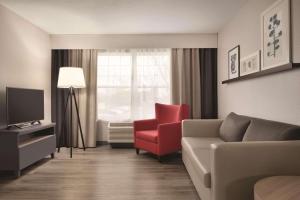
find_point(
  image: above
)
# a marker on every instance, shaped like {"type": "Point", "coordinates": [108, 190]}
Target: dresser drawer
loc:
{"type": "Point", "coordinates": [32, 151]}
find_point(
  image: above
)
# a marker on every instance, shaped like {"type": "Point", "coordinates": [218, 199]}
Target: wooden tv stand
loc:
{"type": "Point", "coordinates": [20, 148]}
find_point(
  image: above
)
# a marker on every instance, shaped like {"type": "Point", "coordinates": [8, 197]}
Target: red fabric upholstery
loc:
{"type": "Point", "coordinates": [148, 124]}
{"type": "Point", "coordinates": [150, 135]}
{"type": "Point", "coordinates": [145, 145]}
{"type": "Point", "coordinates": [161, 135]}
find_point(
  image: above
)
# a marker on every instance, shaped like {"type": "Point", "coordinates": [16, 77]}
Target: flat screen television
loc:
{"type": "Point", "coordinates": [24, 105]}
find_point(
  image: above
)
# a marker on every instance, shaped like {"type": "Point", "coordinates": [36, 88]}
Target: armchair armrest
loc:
{"type": "Point", "coordinates": [169, 130]}
{"type": "Point", "coordinates": [236, 166]}
{"type": "Point", "coordinates": [148, 124]}
{"type": "Point", "coordinates": [169, 137]}
{"type": "Point", "coordinates": [201, 127]}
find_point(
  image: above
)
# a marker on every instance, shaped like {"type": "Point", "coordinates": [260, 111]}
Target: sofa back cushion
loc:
{"type": "Point", "coordinates": [234, 127]}
{"type": "Point", "coordinates": [265, 130]}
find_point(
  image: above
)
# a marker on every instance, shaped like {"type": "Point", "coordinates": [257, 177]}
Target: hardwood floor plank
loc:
{"type": "Point", "coordinates": [101, 173]}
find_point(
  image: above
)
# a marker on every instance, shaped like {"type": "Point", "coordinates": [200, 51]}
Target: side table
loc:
{"type": "Point", "coordinates": [278, 188]}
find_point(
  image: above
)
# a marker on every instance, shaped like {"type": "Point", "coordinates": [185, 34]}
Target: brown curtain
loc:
{"type": "Point", "coordinates": [59, 97]}
{"type": "Point", "coordinates": [86, 98]}
{"type": "Point", "coordinates": [193, 81]}
{"type": "Point", "coordinates": [209, 82]}
{"type": "Point", "coordinates": [185, 79]}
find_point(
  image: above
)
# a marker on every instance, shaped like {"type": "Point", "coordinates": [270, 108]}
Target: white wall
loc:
{"type": "Point", "coordinates": [134, 41]}
{"type": "Point", "coordinates": [295, 30]}
{"type": "Point", "coordinates": [276, 96]}
{"type": "Point", "coordinates": [25, 58]}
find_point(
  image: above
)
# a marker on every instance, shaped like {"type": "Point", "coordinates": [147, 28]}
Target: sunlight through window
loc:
{"type": "Point", "coordinates": [130, 82]}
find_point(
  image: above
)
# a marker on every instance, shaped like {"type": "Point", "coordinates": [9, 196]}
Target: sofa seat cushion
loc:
{"type": "Point", "coordinates": [234, 127]}
{"type": "Point", "coordinates": [148, 135]}
{"type": "Point", "coordinates": [198, 151]}
{"type": "Point", "coordinates": [265, 130]}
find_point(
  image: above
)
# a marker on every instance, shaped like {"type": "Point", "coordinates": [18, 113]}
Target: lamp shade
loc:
{"type": "Point", "coordinates": [70, 77]}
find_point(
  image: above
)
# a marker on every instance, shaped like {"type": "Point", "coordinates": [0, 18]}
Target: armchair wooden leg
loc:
{"type": "Point", "coordinates": [159, 159]}
{"type": "Point", "coordinates": [137, 151]}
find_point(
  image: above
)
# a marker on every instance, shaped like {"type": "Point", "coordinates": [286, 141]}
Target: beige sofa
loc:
{"type": "Point", "coordinates": [228, 170]}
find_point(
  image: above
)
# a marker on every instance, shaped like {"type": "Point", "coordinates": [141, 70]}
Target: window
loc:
{"type": "Point", "coordinates": [131, 81]}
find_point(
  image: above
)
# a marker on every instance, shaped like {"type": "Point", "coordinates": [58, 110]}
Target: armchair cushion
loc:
{"type": "Point", "coordinates": [265, 130]}
{"type": "Point", "coordinates": [148, 135]}
{"type": "Point", "coordinates": [234, 127]}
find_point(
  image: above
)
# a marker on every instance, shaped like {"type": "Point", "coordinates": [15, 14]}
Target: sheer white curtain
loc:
{"type": "Point", "coordinates": [131, 81]}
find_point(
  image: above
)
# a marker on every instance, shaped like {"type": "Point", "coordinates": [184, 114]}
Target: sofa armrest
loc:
{"type": "Point", "coordinates": [147, 124]}
{"type": "Point", "coordinates": [201, 128]}
{"type": "Point", "coordinates": [236, 166]}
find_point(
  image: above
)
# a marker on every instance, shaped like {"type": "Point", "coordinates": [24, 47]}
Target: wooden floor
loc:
{"type": "Point", "coordinates": [101, 173]}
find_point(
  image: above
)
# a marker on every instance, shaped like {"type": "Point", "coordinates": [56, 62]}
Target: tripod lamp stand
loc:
{"type": "Point", "coordinates": [71, 78]}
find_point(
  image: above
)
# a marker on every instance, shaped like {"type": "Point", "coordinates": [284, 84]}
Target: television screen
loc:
{"type": "Point", "coordinates": [24, 105]}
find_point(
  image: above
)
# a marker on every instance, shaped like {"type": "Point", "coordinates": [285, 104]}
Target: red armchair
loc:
{"type": "Point", "coordinates": [161, 135]}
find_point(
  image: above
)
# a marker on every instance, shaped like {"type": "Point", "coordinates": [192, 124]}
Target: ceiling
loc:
{"type": "Point", "coordinates": [126, 16]}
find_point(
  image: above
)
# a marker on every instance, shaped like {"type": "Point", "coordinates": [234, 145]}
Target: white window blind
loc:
{"type": "Point", "coordinates": [131, 81]}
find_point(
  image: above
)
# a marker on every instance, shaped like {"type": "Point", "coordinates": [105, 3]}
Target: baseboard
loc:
{"type": "Point", "coordinates": [116, 144]}
{"type": "Point", "coordinates": [101, 143]}
{"type": "Point", "coordinates": [121, 145]}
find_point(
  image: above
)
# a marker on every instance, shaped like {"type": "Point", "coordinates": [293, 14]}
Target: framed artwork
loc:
{"type": "Point", "coordinates": [250, 64]}
{"type": "Point", "coordinates": [275, 35]}
{"type": "Point", "coordinates": [234, 62]}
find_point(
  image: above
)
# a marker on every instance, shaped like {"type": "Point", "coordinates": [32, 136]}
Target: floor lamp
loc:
{"type": "Point", "coordinates": [71, 78]}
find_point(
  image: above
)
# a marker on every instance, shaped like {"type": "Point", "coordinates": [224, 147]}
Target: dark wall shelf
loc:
{"type": "Point", "coordinates": [282, 68]}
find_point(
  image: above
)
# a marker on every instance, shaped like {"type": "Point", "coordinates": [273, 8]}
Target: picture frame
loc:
{"type": "Point", "coordinates": [276, 35]}
{"type": "Point", "coordinates": [251, 63]}
{"type": "Point", "coordinates": [234, 62]}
